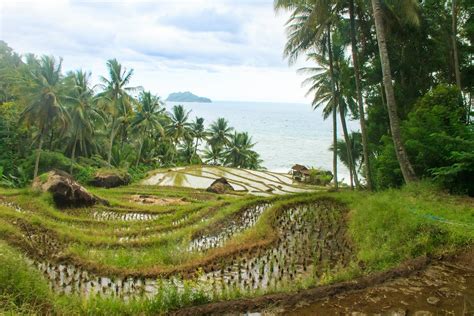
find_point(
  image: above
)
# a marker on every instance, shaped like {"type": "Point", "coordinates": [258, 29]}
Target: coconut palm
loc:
{"type": "Point", "coordinates": [220, 132]}
{"type": "Point", "coordinates": [198, 131]}
{"type": "Point", "coordinates": [179, 128]}
{"type": "Point", "coordinates": [82, 112]}
{"type": "Point", "coordinates": [355, 149]}
{"type": "Point", "coordinates": [115, 99]}
{"type": "Point", "coordinates": [44, 96]}
{"type": "Point", "coordinates": [149, 119]}
{"type": "Point", "coordinates": [320, 82]}
{"type": "Point", "coordinates": [408, 10]}
{"type": "Point", "coordinates": [309, 27]}
{"type": "Point", "coordinates": [214, 155]}
{"type": "Point", "coordinates": [239, 153]}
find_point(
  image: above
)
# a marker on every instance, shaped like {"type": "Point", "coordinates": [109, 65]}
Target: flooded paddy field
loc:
{"type": "Point", "coordinates": [219, 244]}
{"type": "Point", "coordinates": [153, 240]}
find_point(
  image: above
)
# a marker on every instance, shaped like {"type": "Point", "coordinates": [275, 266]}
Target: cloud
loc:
{"type": "Point", "coordinates": [191, 44]}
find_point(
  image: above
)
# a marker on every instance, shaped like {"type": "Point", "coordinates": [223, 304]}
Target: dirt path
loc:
{"type": "Point", "coordinates": [420, 287]}
{"type": "Point", "coordinates": [443, 288]}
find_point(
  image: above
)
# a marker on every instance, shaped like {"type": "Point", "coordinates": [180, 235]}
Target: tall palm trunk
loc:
{"type": "Point", "coordinates": [334, 110]}
{"type": "Point", "coordinates": [111, 142]}
{"type": "Point", "coordinates": [73, 154]}
{"type": "Point", "coordinates": [454, 31]}
{"type": "Point", "coordinates": [405, 165]}
{"type": "Point", "coordinates": [38, 153]}
{"type": "Point", "coordinates": [140, 148]}
{"type": "Point", "coordinates": [363, 127]}
{"type": "Point", "coordinates": [349, 147]}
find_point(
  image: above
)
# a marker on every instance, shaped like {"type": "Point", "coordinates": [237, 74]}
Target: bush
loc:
{"type": "Point", "coordinates": [319, 177]}
{"type": "Point", "coordinates": [438, 142]}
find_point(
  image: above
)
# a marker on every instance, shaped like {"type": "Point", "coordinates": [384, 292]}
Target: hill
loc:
{"type": "Point", "coordinates": [186, 97]}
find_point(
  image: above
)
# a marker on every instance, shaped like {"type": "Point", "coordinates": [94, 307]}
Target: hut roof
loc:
{"type": "Point", "coordinates": [298, 168]}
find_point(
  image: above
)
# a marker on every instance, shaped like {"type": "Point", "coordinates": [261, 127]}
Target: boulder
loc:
{"type": "Point", "coordinates": [110, 179]}
{"type": "Point", "coordinates": [220, 186]}
{"type": "Point", "coordinates": [66, 192]}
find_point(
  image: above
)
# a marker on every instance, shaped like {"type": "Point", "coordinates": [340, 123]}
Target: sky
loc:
{"type": "Point", "coordinates": [224, 50]}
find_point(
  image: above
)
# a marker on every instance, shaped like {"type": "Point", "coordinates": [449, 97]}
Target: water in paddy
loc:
{"type": "Point", "coordinates": [285, 133]}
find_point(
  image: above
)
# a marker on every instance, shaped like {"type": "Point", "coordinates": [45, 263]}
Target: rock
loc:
{"type": "Point", "coordinates": [220, 186]}
{"type": "Point", "coordinates": [66, 192]}
{"type": "Point", "coordinates": [110, 178]}
{"type": "Point", "coordinates": [433, 300]}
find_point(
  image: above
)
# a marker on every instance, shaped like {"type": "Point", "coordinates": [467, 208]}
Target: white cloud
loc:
{"type": "Point", "coordinates": [227, 50]}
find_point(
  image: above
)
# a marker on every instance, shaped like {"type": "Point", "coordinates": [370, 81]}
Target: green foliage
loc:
{"type": "Point", "coordinates": [438, 141]}
{"type": "Point", "coordinates": [319, 177]}
{"type": "Point", "coordinates": [22, 288]}
{"type": "Point", "coordinates": [396, 225]}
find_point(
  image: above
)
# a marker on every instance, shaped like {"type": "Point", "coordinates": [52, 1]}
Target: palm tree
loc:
{"type": "Point", "coordinates": [44, 91]}
{"type": "Point", "coordinates": [309, 27]}
{"type": "Point", "coordinates": [116, 99]}
{"type": "Point", "coordinates": [402, 157]}
{"type": "Point", "coordinates": [148, 118]}
{"type": "Point", "coordinates": [355, 149]}
{"type": "Point", "coordinates": [356, 64]}
{"type": "Point", "coordinates": [238, 152]}
{"type": "Point", "coordinates": [214, 155]}
{"type": "Point", "coordinates": [179, 128]}
{"type": "Point", "coordinates": [340, 100]}
{"type": "Point", "coordinates": [198, 131]}
{"type": "Point", "coordinates": [82, 112]}
{"type": "Point", "coordinates": [220, 132]}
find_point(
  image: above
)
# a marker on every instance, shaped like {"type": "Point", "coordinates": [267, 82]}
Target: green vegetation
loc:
{"type": "Point", "coordinates": [367, 60]}
{"type": "Point", "coordinates": [385, 229]}
{"type": "Point", "coordinates": [78, 128]}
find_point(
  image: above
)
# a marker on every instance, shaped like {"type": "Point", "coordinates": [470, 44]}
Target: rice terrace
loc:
{"type": "Point", "coordinates": [247, 158]}
{"type": "Point", "coordinates": [161, 247]}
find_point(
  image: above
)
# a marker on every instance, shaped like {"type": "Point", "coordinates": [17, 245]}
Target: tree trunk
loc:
{"type": "Point", "coordinates": [73, 155]}
{"type": "Point", "coordinates": [454, 31]}
{"type": "Point", "coordinates": [348, 147]}
{"type": "Point", "coordinates": [38, 153]}
{"type": "Point", "coordinates": [363, 127]}
{"type": "Point", "coordinates": [334, 111]}
{"type": "Point", "coordinates": [111, 142]}
{"type": "Point", "coordinates": [140, 148]}
{"type": "Point", "coordinates": [405, 165]}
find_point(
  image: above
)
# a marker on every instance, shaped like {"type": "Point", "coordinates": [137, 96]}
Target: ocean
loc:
{"type": "Point", "coordinates": [284, 133]}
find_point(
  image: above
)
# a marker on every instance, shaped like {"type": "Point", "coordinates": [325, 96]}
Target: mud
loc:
{"type": "Point", "coordinates": [422, 286]}
{"type": "Point", "coordinates": [154, 200]}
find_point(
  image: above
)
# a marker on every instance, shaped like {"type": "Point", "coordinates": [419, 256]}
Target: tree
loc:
{"type": "Point", "coordinates": [179, 128]}
{"type": "Point", "coordinates": [339, 99]}
{"type": "Point", "coordinates": [43, 94]}
{"type": "Point", "coordinates": [198, 131]}
{"type": "Point", "coordinates": [214, 155]}
{"type": "Point", "coordinates": [220, 132]}
{"type": "Point", "coordinates": [355, 149]}
{"type": "Point", "coordinates": [82, 112]}
{"type": "Point", "coordinates": [239, 153]}
{"type": "Point", "coordinates": [149, 118]}
{"type": "Point", "coordinates": [115, 99]}
{"type": "Point", "coordinates": [309, 26]}
{"type": "Point", "coordinates": [402, 157]}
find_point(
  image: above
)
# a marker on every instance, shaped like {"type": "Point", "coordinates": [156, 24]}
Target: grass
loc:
{"type": "Point", "coordinates": [386, 228]}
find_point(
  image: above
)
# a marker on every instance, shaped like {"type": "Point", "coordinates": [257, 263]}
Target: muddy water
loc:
{"type": "Point", "coordinates": [311, 241]}
{"type": "Point", "coordinates": [442, 289]}
{"type": "Point", "coordinates": [115, 216]}
{"type": "Point", "coordinates": [255, 182]}
{"type": "Point", "coordinates": [244, 220]}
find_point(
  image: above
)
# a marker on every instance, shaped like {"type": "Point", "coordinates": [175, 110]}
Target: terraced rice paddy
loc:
{"type": "Point", "coordinates": [263, 183]}
{"type": "Point", "coordinates": [216, 244]}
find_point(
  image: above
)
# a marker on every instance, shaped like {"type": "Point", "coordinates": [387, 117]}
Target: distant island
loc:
{"type": "Point", "coordinates": [186, 97]}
